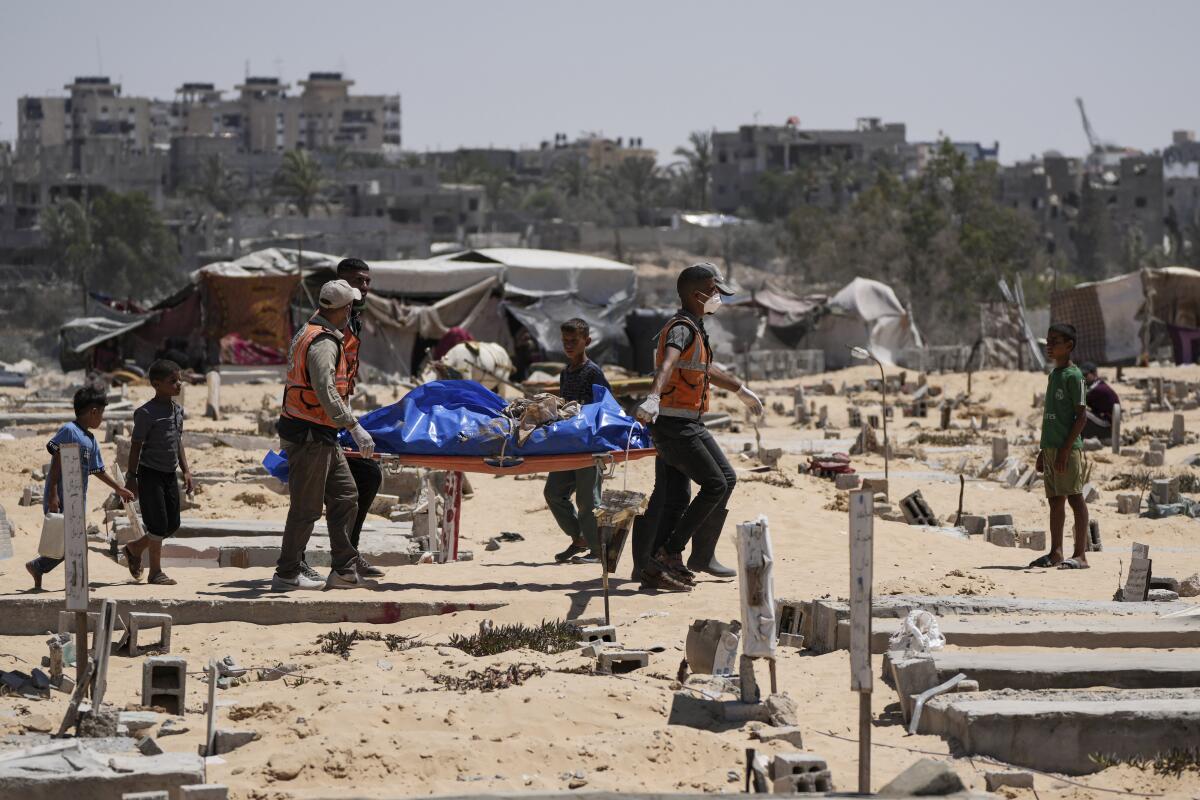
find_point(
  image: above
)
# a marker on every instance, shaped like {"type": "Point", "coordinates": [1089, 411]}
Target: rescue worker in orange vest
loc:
{"type": "Point", "coordinates": [687, 452]}
{"type": "Point", "coordinates": [314, 410]}
{"type": "Point", "coordinates": [368, 476]}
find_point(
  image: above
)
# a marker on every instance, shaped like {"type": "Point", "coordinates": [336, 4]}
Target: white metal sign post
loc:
{"type": "Point", "coordinates": [862, 527]}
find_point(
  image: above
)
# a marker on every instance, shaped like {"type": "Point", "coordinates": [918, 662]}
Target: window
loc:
{"type": "Point", "coordinates": [473, 204]}
{"type": "Point", "coordinates": [1140, 202]}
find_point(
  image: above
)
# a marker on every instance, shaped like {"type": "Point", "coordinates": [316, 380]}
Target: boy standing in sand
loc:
{"type": "Point", "coordinates": [575, 384]}
{"type": "Point", "coordinates": [1060, 459]}
{"type": "Point", "coordinates": [156, 452]}
{"type": "Point", "coordinates": [89, 405]}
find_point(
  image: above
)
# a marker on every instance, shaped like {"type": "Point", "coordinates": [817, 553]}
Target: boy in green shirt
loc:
{"type": "Point", "coordinates": [1060, 460]}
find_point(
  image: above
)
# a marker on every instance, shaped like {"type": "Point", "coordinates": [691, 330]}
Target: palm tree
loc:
{"type": "Point", "coordinates": [637, 180]}
{"type": "Point", "coordinates": [223, 191]}
{"type": "Point", "coordinates": [68, 229]}
{"type": "Point", "coordinates": [301, 181]}
{"type": "Point", "coordinates": [699, 166]}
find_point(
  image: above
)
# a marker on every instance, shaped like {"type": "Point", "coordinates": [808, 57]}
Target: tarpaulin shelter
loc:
{"type": "Point", "coordinates": [865, 313]}
{"type": "Point", "coordinates": [1119, 319]}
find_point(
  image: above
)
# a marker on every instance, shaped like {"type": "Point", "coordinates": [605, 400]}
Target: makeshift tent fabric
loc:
{"type": "Point", "coordinates": [256, 307]}
{"type": "Point", "coordinates": [543, 319]}
{"type": "Point", "coordinates": [788, 317]}
{"type": "Point", "coordinates": [536, 273]}
{"type": "Point", "coordinates": [1111, 318]}
{"type": "Point", "coordinates": [392, 328]}
{"type": "Point", "coordinates": [865, 313]}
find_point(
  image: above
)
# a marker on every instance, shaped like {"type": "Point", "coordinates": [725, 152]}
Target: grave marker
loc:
{"type": "Point", "coordinates": [1137, 584]}
{"type": "Point", "coordinates": [861, 567]}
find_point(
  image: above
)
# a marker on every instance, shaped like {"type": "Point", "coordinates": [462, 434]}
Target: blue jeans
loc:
{"type": "Point", "coordinates": [585, 485]}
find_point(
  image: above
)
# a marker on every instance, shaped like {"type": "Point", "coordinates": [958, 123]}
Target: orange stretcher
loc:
{"type": "Point", "coordinates": [455, 466]}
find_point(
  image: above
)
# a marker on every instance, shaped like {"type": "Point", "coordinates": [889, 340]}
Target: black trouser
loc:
{"type": "Point", "coordinates": [687, 453]}
{"type": "Point", "coordinates": [368, 477]}
{"type": "Point", "coordinates": [158, 497]}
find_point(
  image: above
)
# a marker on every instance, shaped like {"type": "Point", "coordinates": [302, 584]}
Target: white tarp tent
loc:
{"type": "Point", "coordinates": [865, 313]}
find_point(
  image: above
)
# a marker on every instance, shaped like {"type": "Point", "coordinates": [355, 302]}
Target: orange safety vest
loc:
{"type": "Point", "coordinates": [686, 394]}
{"type": "Point", "coordinates": [350, 344]}
{"type": "Point", "coordinates": [299, 398]}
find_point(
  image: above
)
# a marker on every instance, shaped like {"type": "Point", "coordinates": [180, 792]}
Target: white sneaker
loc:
{"type": "Point", "coordinates": [349, 579]}
{"type": "Point", "coordinates": [300, 581]}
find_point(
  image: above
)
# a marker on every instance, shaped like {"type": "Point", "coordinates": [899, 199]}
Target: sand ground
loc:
{"type": "Point", "coordinates": [376, 725]}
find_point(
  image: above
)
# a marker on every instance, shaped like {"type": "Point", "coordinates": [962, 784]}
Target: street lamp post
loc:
{"type": "Point", "coordinates": [863, 354]}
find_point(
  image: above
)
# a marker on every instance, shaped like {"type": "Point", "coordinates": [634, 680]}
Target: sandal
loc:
{"type": "Point", "coordinates": [1070, 563]}
{"type": "Point", "coordinates": [1041, 562]}
{"type": "Point", "coordinates": [161, 579]}
{"type": "Point", "coordinates": [134, 563]}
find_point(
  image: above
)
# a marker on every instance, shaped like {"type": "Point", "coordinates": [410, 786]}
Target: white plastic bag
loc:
{"type": "Point", "coordinates": [53, 541]}
{"type": "Point", "coordinates": [919, 633]}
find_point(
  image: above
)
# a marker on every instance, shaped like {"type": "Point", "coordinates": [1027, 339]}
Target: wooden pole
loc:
{"type": "Point", "coordinates": [861, 569]}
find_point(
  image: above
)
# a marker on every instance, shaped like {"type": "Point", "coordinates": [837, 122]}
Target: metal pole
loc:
{"type": "Point", "coordinates": [864, 742]}
{"type": "Point", "coordinates": [883, 393]}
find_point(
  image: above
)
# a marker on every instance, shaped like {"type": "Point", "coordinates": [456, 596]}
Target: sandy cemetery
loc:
{"type": "Point", "coordinates": [442, 679]}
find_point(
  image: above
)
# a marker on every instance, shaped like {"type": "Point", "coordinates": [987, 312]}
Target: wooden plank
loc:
{"type": "Point", "coordinates": [862, 534]}
{"type": "Point", "coordinates": [102, 647]}
{"type": "Point", "coordinates": [1116, 429]}
{"type": "Point", "coordinates": [756, 588]}
{"type": "Point", "coordinates": [75, 549]}
{"type": "Point", "coordinates": [211, 708]}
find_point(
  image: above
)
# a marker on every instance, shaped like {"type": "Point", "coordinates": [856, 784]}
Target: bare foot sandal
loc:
{"type": "Point", "coordinates": [1071, 563]}
{"type": "Point", "coordinates": [134, 563]}
{"type": "Point", "coordinates": [161, 579]}
{"type": "Point", "coordinates": [1044, 561]}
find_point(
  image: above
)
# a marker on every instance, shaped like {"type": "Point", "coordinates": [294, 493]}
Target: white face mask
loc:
{"type": "Point", "coordinates": [713, 303]}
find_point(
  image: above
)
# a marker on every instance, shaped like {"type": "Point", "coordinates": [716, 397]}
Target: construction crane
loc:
{"type": "Point", "coordinates": [1102, 153]}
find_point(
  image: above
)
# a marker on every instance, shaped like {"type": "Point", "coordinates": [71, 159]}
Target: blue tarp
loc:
{"type": "Point", "coordinates": [462, 418]}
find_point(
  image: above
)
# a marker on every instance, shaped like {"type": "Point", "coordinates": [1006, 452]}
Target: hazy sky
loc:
{"type": "Point", "coordinates": [513, 73]}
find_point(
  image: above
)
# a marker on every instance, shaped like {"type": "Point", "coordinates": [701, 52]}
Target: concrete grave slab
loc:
{"type": "Point", "coordinates": [1030, 729]}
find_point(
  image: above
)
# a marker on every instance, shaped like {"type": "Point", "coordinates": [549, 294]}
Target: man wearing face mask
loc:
{"type": "Point", "coordinates": [368, 476]}
{"type": "Point", "coordinates": [687, 452]}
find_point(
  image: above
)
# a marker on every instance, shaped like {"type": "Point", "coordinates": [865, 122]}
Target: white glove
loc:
{"type": "Point", "coordinates": [648, 410]}
{"type": "Point", "coordinates": [751, 400]}
{"type": "Point", "coordinates": [363, 440]}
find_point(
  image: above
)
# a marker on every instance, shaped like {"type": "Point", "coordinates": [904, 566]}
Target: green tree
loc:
{"type": "Point", "coordinates": [67, 227]}
{"type": "Point", "coordinates": [301, 181]}
{"type": "Point", "coordinates": [636, 182]}
{"type": "Point", "coordinates": [697, 172]}
{"type": "Point", "coordinates": [224, 192]}
{"type": "Point", "coordinates": [137, 254]}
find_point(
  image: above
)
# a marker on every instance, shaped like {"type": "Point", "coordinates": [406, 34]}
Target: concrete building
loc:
{"type": "Point", "coordinates": [1049, 191]}
{"type": "Point", "coordinates": [918, 155]}
{"type": "Point", "coordinates": [743, 155]}
{"type": "Point", "coordinates": [414, 197]}
{"type": "Point", "coordinates": [94, 110]}
{"type": "Point", "coordinates": [1181, 181]}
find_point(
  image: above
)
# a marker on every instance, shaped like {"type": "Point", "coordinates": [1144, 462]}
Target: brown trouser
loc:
{"type": "Point", "coordinates": [318, 477]}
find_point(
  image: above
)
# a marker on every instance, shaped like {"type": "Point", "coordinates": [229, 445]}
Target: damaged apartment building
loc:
{"type": "Point", "coordinates": [95, 138]}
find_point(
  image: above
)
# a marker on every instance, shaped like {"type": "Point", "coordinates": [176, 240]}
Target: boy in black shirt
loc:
{"type": "Point", "coordinates": [575, 383]}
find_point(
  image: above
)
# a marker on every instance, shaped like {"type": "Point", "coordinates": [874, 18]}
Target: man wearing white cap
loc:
{"type": "Point", "coordinates": [315, 408]}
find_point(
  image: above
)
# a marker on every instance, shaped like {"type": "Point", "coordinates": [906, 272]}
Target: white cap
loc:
{"type": "Point", "coordinates": [338, 294]}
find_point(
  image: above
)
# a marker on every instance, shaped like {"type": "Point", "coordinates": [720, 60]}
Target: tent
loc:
{"type": "Point", "coordinates": [865, 313]}
{"type": "Point", "coordinates": [1112, 322]}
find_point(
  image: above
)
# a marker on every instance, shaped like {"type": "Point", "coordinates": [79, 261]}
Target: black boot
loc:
{"type": "Point", "coordinates": [704, 546]}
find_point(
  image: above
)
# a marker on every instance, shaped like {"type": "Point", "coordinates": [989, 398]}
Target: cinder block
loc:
{"type": "Point", "coordinates": [973, 524]}
{"type": "Point", "coordinates": [598, 633]}
{"type": "Point", "coordinates": [146, 796]}
{"type": "Point", "coordinates": [875, 485]}
{"type": "Point", "coordinates": [1002, 535]}
{"type": "Point", "coordinates": [1013, 780]}
{"type": "Point", "coordinates": [804, 783]}
{"type": "Point", "coordinates": [617, 662]}
{"type": "Point", "coordinates": [1154, 458]}
{"type": "Point", "coordinates": [205, 791]}
{"type": "Point", "coordinates": [139, 621]}
{"type": "Point", "coordinates": [1032, 540]}
{"type": "Point", "coordinates": [66, 622]}
{"type": "Point", "coordinates": [1129, 504]}
{"type": "Point", "coordinates": [796, 763]}
{"type": "Point", "coordinates": [916, 511]}
{"type": "Point", "coordinates": [1090, 493]}
{"type": "Point", "coordinates": [1158, 446]}
{"type": "Point", "coordinates": [1131, 452]}
{"type": "Point", "coordinates": [164, 683]}
{"type": "Point", "coordinates": [999, 519]}
{"type": "Point", "coordinates": [791, 640]}
{"type": "Point", "coordinates": [846, 481]}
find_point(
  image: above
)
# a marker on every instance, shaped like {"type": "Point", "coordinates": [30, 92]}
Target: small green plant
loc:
{"type": "Point", "coordinates": [341, 641]}
{"type": "Point", "coordinates": [1173, 762]}
{"type": "Point", "coordinates": [549, 637]}
{"type": "Point", "coordinates": [490, 679]}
